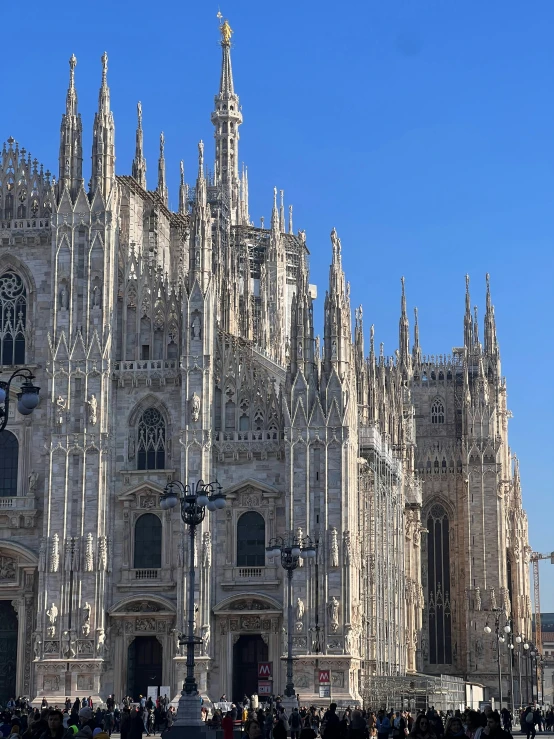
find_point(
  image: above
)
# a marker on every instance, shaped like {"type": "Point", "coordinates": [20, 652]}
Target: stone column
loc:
{"type": "Point", "coordinates": [19, 607]}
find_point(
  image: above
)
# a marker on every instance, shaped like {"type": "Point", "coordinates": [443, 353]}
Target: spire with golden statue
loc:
{"type": "Point", "coordinates": [225, 30]}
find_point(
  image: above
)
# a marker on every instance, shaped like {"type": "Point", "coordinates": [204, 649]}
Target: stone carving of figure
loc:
{"type": "Point", "coordinates": [300, 536]}
{"type": "Point", "coordinates": [61, 404]}
{"type": "Point", "coordinates": [195, 329]}
{"type": "Point", "coordinates": [493, 600]}
{"type": "Point", "coordinates": [348, 641]}
{"type": "Point", "coordinates": [195, 407]}
{"type": "Point", "coordinates": [334, 349]}
{"type": "Point", "coordinates": [66, 645]}
{"type": "Point", "coordinates": [92, 405]}
{"type": "Point", "coordinates": [55, 554]}
{"type": "Point", "coordinates": [195, 610]}
{"type": "Point", "coordinates": [42, 556]}
{"type": "Point", "coordinates": [131, 454]}
{"type": "Point", "coordinates": [177, 642]}
{"type": "Point", "coordinates": [100, 641]}
{"type": "Point", "coordinates": [424, 644]}
{"type": "Point", "coordinates": [334, 546]}
{"type": "Point", "coordinates": [181, 554]}
{"type": "Point", "coordinates": [68, 554]}
{"type": "Point", "coordinates": [347, 547]}
{"type": "Point", "coordinates": [506, 605]}
{"type": "Point", "coordinates": [284, 641]}
{"type": "Point", "coordinates": [478, 604]}
{"type": "Point", "coordinates": [89, 556]}
{"type": "Point", "coordinates": [64, 298]}
{"type": "Point", "coordinates": [479, 648]}
{"type": "Point", "coordinates": [37, 645]}
{"type": "Point", "coordinates": [102, 553]}
{"type": "Point", "coordinates": [96, 297]}
{"type": "Point", "coordinates": [86, 619]}
{"type": "Point", "coordinates": [299, 609]}
{"type": "Point", "coordinates": [206, 637]}
{"type": "Point", "coordinates": [299, 350]}
{"type": "Point", "coordinates": [33, 480]}
{"type": "Point", "coordinates": [207, 549]}
{"type": "Point", "coordinates": [334, 614]}
{"type": "Point", "coordinates": [52, 614]}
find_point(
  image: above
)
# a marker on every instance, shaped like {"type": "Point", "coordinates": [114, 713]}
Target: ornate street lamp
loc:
{"type": "Point", "coordinates": [290, 548]}
{"type": "Point", "coordinates": [27, 398]}
{"type": "Point", "coordinates": [501, 634]}
{"type": "Point", "coordinates": [194, 501]}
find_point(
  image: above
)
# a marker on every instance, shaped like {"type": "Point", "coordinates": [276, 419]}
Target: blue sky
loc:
{"type": "Point", "coordinates": [423, 131]}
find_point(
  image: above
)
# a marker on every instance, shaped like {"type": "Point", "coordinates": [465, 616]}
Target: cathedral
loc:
{"type": "Point", "coordinates": [181, 346]}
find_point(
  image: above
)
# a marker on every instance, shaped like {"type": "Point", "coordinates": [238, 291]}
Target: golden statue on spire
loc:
{"type": "Point", "coordinates": [225, 29]}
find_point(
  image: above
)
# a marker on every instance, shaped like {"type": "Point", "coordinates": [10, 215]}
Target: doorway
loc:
{"type": "Point", "coordinates": [8, 651]}
{"type": "Point", "coordinates": [247, 652]}
{"type": "Point", "coordinates": [144, 665]}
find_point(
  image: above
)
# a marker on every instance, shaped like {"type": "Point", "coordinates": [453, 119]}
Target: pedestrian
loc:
{"type": "Point", "coordinates": [422, 728]}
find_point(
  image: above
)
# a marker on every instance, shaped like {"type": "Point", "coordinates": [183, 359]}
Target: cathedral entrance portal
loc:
{"type": "Point", "coordinates": [8, 651]}
{"type": "Point", "coordinates": [248, 650]}
{"type": "Point", "coordinates": [144, 665]}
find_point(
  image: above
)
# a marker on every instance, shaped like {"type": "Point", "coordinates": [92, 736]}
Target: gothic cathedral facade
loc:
{"type": "Point", "coordinates": [180, 345]}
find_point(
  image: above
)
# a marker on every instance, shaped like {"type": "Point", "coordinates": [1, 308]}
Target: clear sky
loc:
{"type": "Point", "coordinates": [423, 131]}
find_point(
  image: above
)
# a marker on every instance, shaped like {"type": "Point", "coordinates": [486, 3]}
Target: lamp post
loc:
{"type": "Point", "coordinates": [533, 671]}
{"type": "Point", "coordinates": [526, 663]}
{"type": "Point", "coordinates": [519, 640]}
{"type": "Point", "coordinates": [290, 548]}
{"type": "Point", "coordinates": [511, 658]}
{"type": "Point", "coordinates": [27, 399]}
{"type": "Point", "coordinates": [194, 501]}
{"type": "Point", "coordinates": [500, 639]}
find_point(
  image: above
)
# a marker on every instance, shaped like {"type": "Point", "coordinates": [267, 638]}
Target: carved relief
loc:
{"type": "Point", "coordinates": [7, 568]}
{"type": "Point", "coordinates": [194, 405]}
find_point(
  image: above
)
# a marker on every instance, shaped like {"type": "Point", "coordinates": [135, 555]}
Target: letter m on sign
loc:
{"type": "Point", "coordinates": [325, 677]}
{"type": "Point", "coordinates": [264, 670]}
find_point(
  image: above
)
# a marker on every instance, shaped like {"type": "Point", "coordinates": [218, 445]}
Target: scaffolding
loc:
{"type": "Point", "coordinates": [414, 693]}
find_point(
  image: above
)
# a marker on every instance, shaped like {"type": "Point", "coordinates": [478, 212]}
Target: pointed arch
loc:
{"type": "Point", "coordinates": [14, 310]}
{"type": "Point", "coordinates": [438, 414]}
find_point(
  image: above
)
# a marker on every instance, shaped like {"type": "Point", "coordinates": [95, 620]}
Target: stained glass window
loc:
{"type": "Point", "coordinates": [151, 441]}
{"type": "Point", "coordinates": [148, 542]}
{"type": "Point", "coordinates": [251, 540]}
{"type": "Point", "coordinates": [438, 596]}
{"type": "Point", "coordinates": [13, 319]}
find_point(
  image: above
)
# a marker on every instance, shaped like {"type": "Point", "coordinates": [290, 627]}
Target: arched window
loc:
{"type": "Point", "coordinates": [437, 411]}
{"type": "Point", "coordinates": [438, 596]}
{"type": "Point", "coordinates": [148, 543]}
{"type": "Point", "coordinates": [13, 319]}
{"type": "Point", "coordinates": [251, 540]}
{"type": "Point", "coordinates": [9, 454]}
{"type": "Point", "coordinates": [151, 441]}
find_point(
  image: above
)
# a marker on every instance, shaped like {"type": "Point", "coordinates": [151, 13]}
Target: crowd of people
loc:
{"type": "Point", "coordinates": [308, 723]}
{"type": "Point", "coordinates": [79, 719]}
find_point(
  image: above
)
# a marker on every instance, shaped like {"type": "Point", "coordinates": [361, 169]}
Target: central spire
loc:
{"type": "Point", "coordinates": [226, 119]}
{"type": "Point", "coordinates": [103, 143]}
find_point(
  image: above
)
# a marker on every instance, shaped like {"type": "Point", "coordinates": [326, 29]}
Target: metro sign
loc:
{"type": "Point", "coordinates": [265, 670]}
{"type": "Point", "coordinates": [325, 677]}
{"type": "Point", "coordinates": [264, 687]}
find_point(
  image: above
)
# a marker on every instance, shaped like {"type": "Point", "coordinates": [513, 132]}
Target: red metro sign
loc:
{"type": "Point", "coordinates": [325, 677]}
{"type": "Point", "coordinates": [264, 670]}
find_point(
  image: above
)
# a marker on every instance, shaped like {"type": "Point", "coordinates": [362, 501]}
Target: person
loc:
{"type": "Point", "coordinates": [382, 725]}
{"type": "Point", "coordinates": [528, 723]}
{"type": "Point", "coordinates": [422, 728]}
{"type": "Point", "coordinates": [227, 724]}
{"type": "Point", "coordinates": [294, 723]}
{"type": "Point", "coordinates": [5, 726]}
{"type": "Point", "coordinates": [254, 731]}
{"type": "Point", "coordinates": [454, 728]}
{"type": "Point", "coordinates": [331, 723]}
{"type": "Point", "coordinates": [55, 725]}
{"type": "Point", "coordinates": [14, 734]}
{"type": "Point", "coordinates": [87, 721]}
{"type": "Point", "coordinates": [307, 731]}
{"type": "Point", "coordinates": [125, 723]}
{"type": "Point", "coordinates": [494, 729]}
{"type": "Point", "coordinates": [280, 729]}
{"type": "Point", "coordinates": [399, 726]}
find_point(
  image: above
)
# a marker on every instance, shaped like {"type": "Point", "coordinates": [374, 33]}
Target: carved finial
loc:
{"type": "Point", "coordinates": [403, 281]}
{"type": "Point", "coordinates": [104, 61]}
{"type": "Point", "coordinates": [182, 168]}
{"type": "Point", "coordinates": [72, 65]}
{"type": "Point", "coordinates": [275, 198]}
{"type": "Point", "coordinates": [200, 159]}
{"type": "Point", "coordinates": [467, 283]}
{"type": "Point", "coordinates": [382, 349]}
{"type": "Point", "coordinates": [162, 144]}
{"type": "Point", "coordinates": [139, 114]}
{"type": "Point", "coordinates": [415, 315]}
{"type": "Point", "coordinates": [290, 219]}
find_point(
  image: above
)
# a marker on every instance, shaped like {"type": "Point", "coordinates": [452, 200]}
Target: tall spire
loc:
{"type": "Point", "coordinates": [337, 326]}
{"type": "Point", "coordinates": [416, 349]}
{"type": "Point", "coordinates": [182, 191]}
{"type": "Point", "coordinates": [275, 212]}
{"type": "Point", "coordinates": [139, 162]}
{"type": "Point", "coordinates": [404, 328]}
{"type": "Point", "coordinates": [226, 119]}
{"type": "Point", "coordinates": [468, 327]}
{"type": "Point", "coordinates": [475, 328]}
{"type": "Point", "coordinates": [290, 219]}
{"type": "Point", "coordinates": [162, 187]}
{"type": "Point", "coordinates": [491, 344]}
{"type": "Point", "coordinates": [282, 212]}
{"type": "Point", "coordinates": [103, 143]}
{"type": "Point", "coordinates": [71, 140]}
